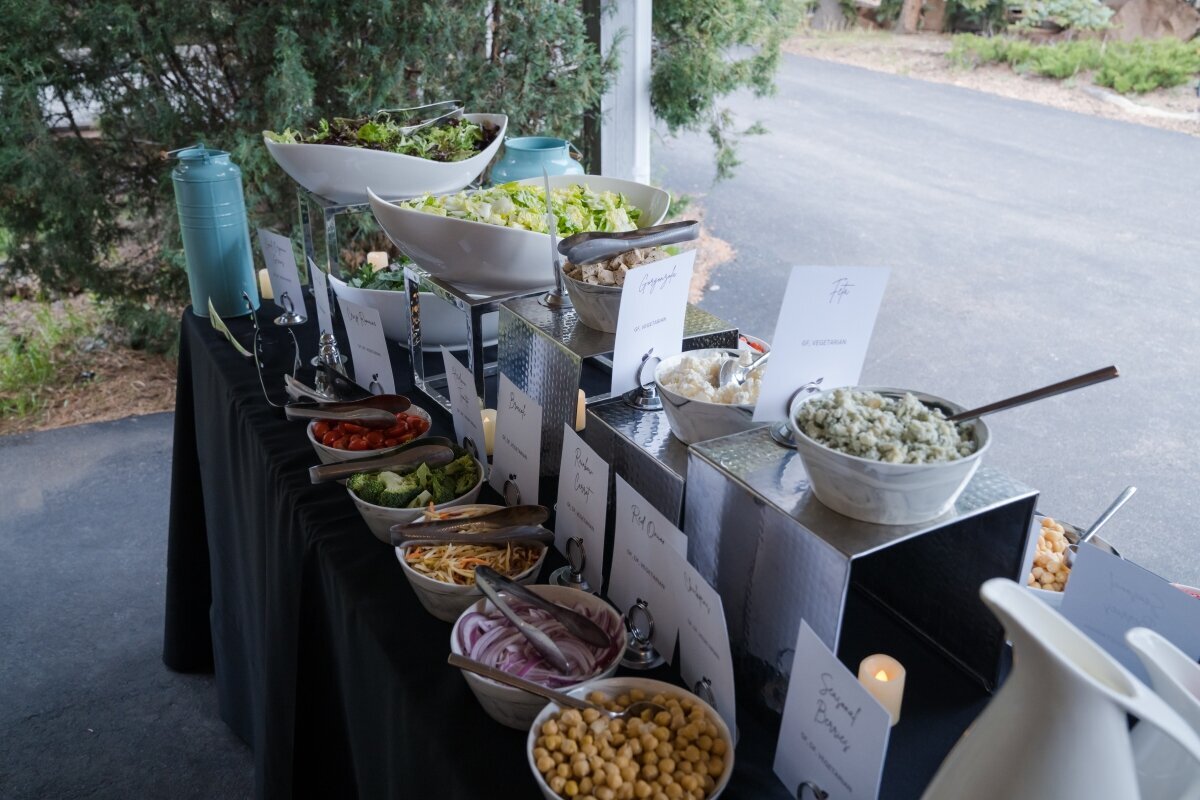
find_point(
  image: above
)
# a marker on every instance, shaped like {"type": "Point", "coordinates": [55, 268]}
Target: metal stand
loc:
{"type": "Point", "coordinates": [817, 792]}
{"type": "Point", "coordinates": [572, 574]}
{"type": "Point", "coordinates": [330, 211]}
{"type": "Point", "coordinates": [639, 652]}
{"type": "Point", "coordinates": [473, 309]}
{"type": "Point", "coordinates": [289, 316]}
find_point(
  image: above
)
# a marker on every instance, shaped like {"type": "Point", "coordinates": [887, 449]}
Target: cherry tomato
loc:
{"type": "Point", "coordinates": [419, 426]}
{"type": "Point", "coordinates": [408, 437]}
{"type": "Point", "coordinates": [375, 439]}
{"type": "Point", "coordinates": [359, 444]}
{"type": "Point", "coordinates": [342, 443]}
{"type": "Point", "coordinates": [390, 442]}
{"type": "Point", "coordinates": [320, 429]}
{"type": "Point", "coordinates": [350, 427]}
{"type": "Point", "coordinates": [330, 437]}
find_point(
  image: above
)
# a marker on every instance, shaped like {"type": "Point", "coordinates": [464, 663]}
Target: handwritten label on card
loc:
{"type": "Point", "coordinates": [647, 550]}
{"type": "Point", "coordinates": [517, 459]}
{"type": "Point", "coordinates": [834, 733]}
{"type": "Point", "coordinates": [281, 266]}
{"type": "Point", "coordinates": [582, 503]}
{"type": "Point", "coordinates": [321, 295]}
{"type": "Point", "coordinates": [653, 307]}
{"type": "Point", "coordinates": [1107, 595]}
{"type": "Point", "coordinates": [704, 654]}
{"type": "Point", "coordinates": [464, 405]}
{"type": "Point", "coordinates": [368, 348]}
{"type": "Point", "coordinates": [823, 331]}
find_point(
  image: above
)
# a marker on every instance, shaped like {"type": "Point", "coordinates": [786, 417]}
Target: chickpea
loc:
{"type": "Point", "coordinates": [605, 793]}
{"type": "Point", "coordinates": [545, 764]}
{"type": "Point", "coordinates": [666, 765]}
{"type": "Point", "coordinates": [557, 784]}
{"type": "Point", "coordinates": [570, 747]}
{"type": "Point", "coordinates": [649, 771]}
{"type": "Point", "coordinates": [590, 715]}
{"type": "Point", "coordinates": [716, 767]}
{"type": "Point", "coordinates": [580, 768]}
{"type": "Point", "coordinates": [642, 790]}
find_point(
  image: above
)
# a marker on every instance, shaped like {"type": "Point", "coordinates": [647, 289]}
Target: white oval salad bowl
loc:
{"type": "Point", "coordinates": [342, 174]}
{"type": "Point", "coordinates": [492, 259]}
{"type": "Point", "coordinates": [441, 324]}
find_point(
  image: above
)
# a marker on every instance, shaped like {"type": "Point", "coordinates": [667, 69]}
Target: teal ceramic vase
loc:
{"type": "Point", "coordinates": [526, 156]}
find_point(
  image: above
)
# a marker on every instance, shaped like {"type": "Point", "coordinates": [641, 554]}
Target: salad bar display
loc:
{"type": "Point", "coordinates": [875, 530]}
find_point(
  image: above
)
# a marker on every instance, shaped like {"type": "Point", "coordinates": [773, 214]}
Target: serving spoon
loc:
{"type": "Point", "coordinates": [1069, 385]}
{"type": "Point", "coordinates": [1072, 549]}
{"type": "Point", "coordinates": [734, 373]}
{"type": "Point", "coordinates": [563, 699]}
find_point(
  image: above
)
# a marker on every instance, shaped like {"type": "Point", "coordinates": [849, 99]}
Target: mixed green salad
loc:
{"type": "Point", "coordinates": [578, 208]}
{"type": "Point", "coordinates": [451, 140]}
{"type": "Point", "coordinates": [417, 489]}
{"type": "Point", "coordinates": [365, 276]}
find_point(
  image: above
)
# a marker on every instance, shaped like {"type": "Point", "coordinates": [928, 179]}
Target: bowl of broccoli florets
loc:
{"type": "Point", "coordinates": [387, 498]}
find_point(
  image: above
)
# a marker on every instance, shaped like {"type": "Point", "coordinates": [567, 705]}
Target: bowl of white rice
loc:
{"type": "Point", "coordinates": [883, 455]}
{"type": "Point", "coordinates": [696, 408]}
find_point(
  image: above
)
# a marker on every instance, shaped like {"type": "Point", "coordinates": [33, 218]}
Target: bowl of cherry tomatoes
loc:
{"type": "Point", "coordinates": [342, 441]}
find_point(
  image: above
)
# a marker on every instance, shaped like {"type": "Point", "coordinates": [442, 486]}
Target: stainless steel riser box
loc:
{"type": "Point", "coordinates": [776, 555]}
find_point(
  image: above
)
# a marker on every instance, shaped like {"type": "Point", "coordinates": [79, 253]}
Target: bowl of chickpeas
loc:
{"type": "Point", "coordinates": [683, 753]}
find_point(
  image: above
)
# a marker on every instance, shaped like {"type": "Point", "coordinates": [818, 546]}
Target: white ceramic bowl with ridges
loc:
{"type": "Point", "coordinates": [332, 455]}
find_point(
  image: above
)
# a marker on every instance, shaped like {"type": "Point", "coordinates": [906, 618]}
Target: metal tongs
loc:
{"type": "Point", "coordinates": [432, 450]}
{"type": "Point", "coordinates": [593, 246]}
{"type": "Point", "coordinates": [512, 524]}
{"type": "Point", "coordinates": [491, 583]}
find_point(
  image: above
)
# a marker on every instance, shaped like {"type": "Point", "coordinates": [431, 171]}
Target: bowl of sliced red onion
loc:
{"type": "Point", "coordinates": [484, 635]}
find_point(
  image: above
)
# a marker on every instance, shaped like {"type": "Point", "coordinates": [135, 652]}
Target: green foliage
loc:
{"type": "Point", "coordinates": [1140, 66]}
{"type": "Point", "coordinates": [145, 326]}
{"type": "Point", "coordinates": [707, 49]}
{"type": "Point", "coordinates": [98, 213]}
{"type": "Point", "coordinates": [1079, 15]}
{"type": "Point", "coordinates": [32, 355]}
{"type": "Point", "coordinates": [1146, 65]}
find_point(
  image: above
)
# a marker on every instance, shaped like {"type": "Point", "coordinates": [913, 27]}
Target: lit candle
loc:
{"type": "Point", "coordinates": [377, 259]}
{"type": "Point", "coordinates": [264, 285]}
{"type": "Point", "coordinates": [581, 411]}
{"type": "Point", "coordinates": [884, 678]}
{"type": "Point", "coordinates": [489, 429]}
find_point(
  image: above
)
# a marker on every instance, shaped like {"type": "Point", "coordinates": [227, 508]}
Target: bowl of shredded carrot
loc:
{"type": "Point", "coordinates": [443, 576]}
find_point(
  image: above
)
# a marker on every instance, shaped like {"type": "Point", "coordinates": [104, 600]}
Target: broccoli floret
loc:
{"type": "Point", "coordinates": [442, 488]}
{"type": "Point", "coordinates": [465, 482]}
{"type": "Point", "coordinates": [420, 501]}
{"type": "Point", "coordinates": [397, 490]}
{"type": "Point", "coordinates": [366, 485]}
{"type": "Point", "coordinates": [462, 465]}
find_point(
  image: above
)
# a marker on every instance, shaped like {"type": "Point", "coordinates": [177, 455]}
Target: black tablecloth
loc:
{"type": "Point", "coordinates": [325, 662]}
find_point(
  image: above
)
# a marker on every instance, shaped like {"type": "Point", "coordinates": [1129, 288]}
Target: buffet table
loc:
{"type": "Point", "coordinates": [326, 664]}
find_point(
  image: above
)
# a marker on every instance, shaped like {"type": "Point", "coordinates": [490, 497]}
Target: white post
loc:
{"type": "Point", "coordinates": [625, 107]}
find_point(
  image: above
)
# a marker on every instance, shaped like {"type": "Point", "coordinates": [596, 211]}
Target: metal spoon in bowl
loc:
{"type": "Point", "coordinates": [734, 373]}
{"type": "Point", "coordinates": [1072, 549]}
{"type": "Point", "coordinates": [1071, 384]}
{"type": "Point", "coordinates": [563, 699]}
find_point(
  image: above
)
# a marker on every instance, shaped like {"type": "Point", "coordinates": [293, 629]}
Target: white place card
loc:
{"type": "Point", "coordinates": [647, 550]}
{"type": "Point", "coordinates": [704, 642]}
{"type": "Point", "coordinates": [517, 449]}
{"type": "Point", "coordinates": [368, 348]}
{"type": "Point", "coordinates": [582, 504]}
{"type": "Point", "coordinates": [321, 295]}
{"type": "Point", "coordinates": [464, 405]}
{"type": "Point", "coordinates": [653, 306]}
{"type": "Point", "coordinates": [281, 266]}
{"type": "Point", "coordinates": [823, 331]}
{"type": "Point", "coordinates": [834, 733]}
{"type": "Point", "coordinates": [1107, 595]}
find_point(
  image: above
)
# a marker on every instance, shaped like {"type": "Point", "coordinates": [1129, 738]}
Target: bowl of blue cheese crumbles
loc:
{"type": "Point", "coordinates": [886, 456]}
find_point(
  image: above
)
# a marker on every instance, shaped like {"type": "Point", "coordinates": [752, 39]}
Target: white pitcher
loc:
{"type": "Point", "coordinates": [1056, 729]}
{"type": "Point", "coordinates": [1165, 772]}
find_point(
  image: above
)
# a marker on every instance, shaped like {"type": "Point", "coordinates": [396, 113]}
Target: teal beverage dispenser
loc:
{"type": "Point", "coordinates": [216, 236]}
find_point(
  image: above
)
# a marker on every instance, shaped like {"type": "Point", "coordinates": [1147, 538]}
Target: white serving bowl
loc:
{"type": "Point", "coordinates": [331, 455]}
{"type": "Point", "coordinates": [492, 259]}
{"type": "Point", "coordinates": [380, 519]}
{"type": "Point", "coordinates": [744, 343]}
{"type": "Point", "coordinates": [342, 174]}
{"type": "Point", "coordinates": [514, 707]}
{"type": "Point", "coordinates": [447, 601]}
{"type": "Point", "coordinates": [881, 492]}
{"type": "Point", "coordinates": [612, 687]}
{"type": "Point", "coordinates": [695, 421]}
{"type": "Point", "coordinates": [442, 325]}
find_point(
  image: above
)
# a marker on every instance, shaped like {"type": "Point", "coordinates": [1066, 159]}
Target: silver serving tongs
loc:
{"type": "Point", "coordinates": [499, 519]}
{"type": "Point", "coordinates": [593, 246]}
{"type": "Point", "coordinates": [541, 642]}
{"type": "Point", "coordinates": [432, 450]}
{"type": "Point", "coordinates": [519, 534]}
{"type": "Point", "coordinates": [441, 111]}
{"type": "Point", "coordinates": [576, 624]}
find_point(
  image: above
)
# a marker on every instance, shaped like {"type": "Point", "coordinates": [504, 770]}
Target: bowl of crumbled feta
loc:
{"type": "Point", "coordinates": [697, 408]}
{"type": "Point", "coordinates": [887, 456]}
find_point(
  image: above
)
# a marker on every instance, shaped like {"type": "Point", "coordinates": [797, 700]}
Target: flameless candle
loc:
{"type": "Point", "coordinates": [264, 285]}
{"type": "Point", "coordinates": [884, 678]}
{"type": "Point", "coordinates": [581, 411]}
{"type": "Point", "coordinates": [489, 429]}
{"type": "Point", "coordinates": [377, 259]}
